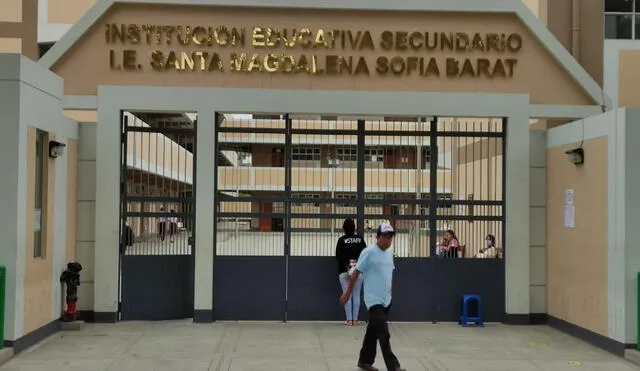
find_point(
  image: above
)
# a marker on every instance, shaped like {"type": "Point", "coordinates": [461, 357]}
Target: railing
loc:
{"type": "Point", "coordinates": [322, 179]}
{"type": "Point", "coordinates": [317, 139]}
{"type": "Point", "coordinates": [156, 153]}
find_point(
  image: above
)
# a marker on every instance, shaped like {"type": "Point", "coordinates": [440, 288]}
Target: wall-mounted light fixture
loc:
{"type": "Point", "coordinates": [575, 156]}
{"type": "Point", "coordinates": [56, 149]}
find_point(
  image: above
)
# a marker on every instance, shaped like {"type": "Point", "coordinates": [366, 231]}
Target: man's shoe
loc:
{"type": "Point", "coordinates": [365, 367]}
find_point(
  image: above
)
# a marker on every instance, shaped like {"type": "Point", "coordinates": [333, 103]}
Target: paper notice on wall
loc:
{"type": "Point", "coordinates": [568, 197]}
{"type": "Point", "coordinates": [569, 216]}
{"type": "Point", "coordinates": [38, 217]}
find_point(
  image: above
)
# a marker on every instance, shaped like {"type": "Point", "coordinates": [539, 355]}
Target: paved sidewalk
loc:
{"type": "Point", "coordinates": [182, 345]}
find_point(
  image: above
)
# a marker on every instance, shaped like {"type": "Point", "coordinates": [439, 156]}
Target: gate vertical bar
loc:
{"type": "Point", "coordinates": [287, 205]}
{"type": "Point", "coordinates": [504, 188]}
{"type": "Point", "coordinates": [433, 186]}
{"type": "Point", "coordinates": [433, 207]}
{"type": "Point", "coordinates": [216, 138]}
{"type": "Point", "coordinates": [124, 123]}
{"type": "Point", "coordinates": [191, 238]}
{"type": "Point", "coordinates": [360, 190]}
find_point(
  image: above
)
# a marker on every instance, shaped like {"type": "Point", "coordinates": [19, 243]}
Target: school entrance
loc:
{"type": "Point", "coordinates": [285, 184]}
{"type": "Point", "coordinates": [157, 215]}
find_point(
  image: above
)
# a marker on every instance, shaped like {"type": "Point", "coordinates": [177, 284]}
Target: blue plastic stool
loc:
{"type": "Point", "coordinates": [464, 318]}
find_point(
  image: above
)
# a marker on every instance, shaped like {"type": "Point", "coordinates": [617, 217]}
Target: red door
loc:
{"type": "Point", "coordinates": [277, 157]}
{"type": "Point", "coordinates": [389, 159]}
{"type": "Point", "coordinates": [265, 222]}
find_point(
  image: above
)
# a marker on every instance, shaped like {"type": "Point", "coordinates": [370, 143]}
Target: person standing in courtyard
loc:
{"type": "Point", "coordinates": [162, 225]}
{"type": "Point", "coordinates": [376, 266]}
{"type": "Point", "coordinates": [348, 250]}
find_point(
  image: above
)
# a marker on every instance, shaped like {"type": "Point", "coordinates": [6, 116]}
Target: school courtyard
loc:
{"type": "Point", "coordinates": [254, 346]}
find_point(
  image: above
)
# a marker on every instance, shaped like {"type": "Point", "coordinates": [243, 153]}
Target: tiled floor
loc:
{"type": "Point", "coordinates": [182, 345]}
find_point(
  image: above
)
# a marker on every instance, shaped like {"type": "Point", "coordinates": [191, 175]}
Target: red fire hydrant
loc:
{"type": "Point", "coordinates": [71, 279]}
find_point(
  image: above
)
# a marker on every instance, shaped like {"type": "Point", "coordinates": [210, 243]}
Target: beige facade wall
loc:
{"type": "Point", "coordinates": [11, 11]}
{"type": "Point", "coordinates": [19, 27]}
{"type": "Point", "coordinates": [82, 115]}
{"type": "Point", "coordinates": [557, 15]}
{"type": "Point", "coordinates": [157, 154]}
{"type": "Point", "coordinates": [11, 45]}
{"type": "Point", "coordinates": [539, 8]}
{"type": "Point", "coordinates": [345, 180]}
{"type": "Point", "coordinates": [93, 50]}
{"type": "Point", "coordinates": [588, 32]}
{"type": "Point", "coordinates": [576, 262]}
{"type": "Point", "coordinates": [628, 77]}
{"type": "Point", "coordinates": [68, 11]}
{"type": "Point", "coordinates": [38, 271]}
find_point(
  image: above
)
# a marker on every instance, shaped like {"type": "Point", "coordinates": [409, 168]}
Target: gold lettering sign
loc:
{"type": "Point", "coordinates": [326, 51]}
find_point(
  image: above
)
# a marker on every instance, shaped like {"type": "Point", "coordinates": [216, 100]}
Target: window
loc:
{"type": "Point", "coordinates": [444, 201]}
{"type": "Point", "coordinates": [426, 158]}
{"type": "Point", "coordinates": [347, 154]}
{"type": "Point", "coordinates": [618, 6]}
{"type": "Point", "coordinates": [41, 158]}
{"type": "Point", "coordinates": [351, 154]}
{"type": "Point", "coordinates": [346, 196]}
{"type": "Point", "coordinates": [266, 117]}
{"type": "Point", "coordinates": [304, 195]}
{"type": "Point", "coordinates": [622, 19]}
{"type": "Point", "coordinates": [305, 154]}
{"type": "Point", "coordinates": [374, 155]}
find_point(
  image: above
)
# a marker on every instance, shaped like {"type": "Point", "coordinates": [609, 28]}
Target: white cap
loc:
{"type": "Point", "coordinates": [385, 228]}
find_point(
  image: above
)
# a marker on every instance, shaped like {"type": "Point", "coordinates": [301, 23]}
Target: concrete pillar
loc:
{"type": "Point", "coordinates": [538, 235]}
{"type": "Point", "coordinates": [517, 254]}
{"type": "Point", "coordinates": [13, 142]}
{"type": "Point", "coordinates": [105, 304]}
{"type": "Point", "coordinates": [86, 213]}
{"type": "Point", "coordinates": [632, 214]}
{"type": "Point", "coordinates": [205, 201]}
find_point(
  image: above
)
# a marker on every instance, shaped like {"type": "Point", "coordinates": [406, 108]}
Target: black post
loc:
{"type": "Point", "coordinates": [360, 196]}
{"type": "Point", "coordinates": [505, 127]}
{"type": "Point", "coordinates": [433, 186]}
{"type": "Point", "coordinates": [124, 124]}
{"type": "Point", "coordinates": [287, 206]}
{"type": "Point", "coordinates": [218, 118]}
{"type": "Point", "coordinates": [433, 210]}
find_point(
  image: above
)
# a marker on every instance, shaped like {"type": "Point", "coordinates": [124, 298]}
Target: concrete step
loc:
{"type": "Point", "coordinates": [71, 326]}
{"type": "Point", "coordinates": [5, 355]}
{"type": "Point", "coordinates": [632, 355]}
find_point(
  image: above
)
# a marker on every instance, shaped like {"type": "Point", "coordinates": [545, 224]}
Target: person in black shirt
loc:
{"type": "Point", "coordinates": [348, 251]}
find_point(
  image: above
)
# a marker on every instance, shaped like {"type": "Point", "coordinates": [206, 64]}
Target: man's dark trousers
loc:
{"type": "Point", "coordinates": [378, 329]}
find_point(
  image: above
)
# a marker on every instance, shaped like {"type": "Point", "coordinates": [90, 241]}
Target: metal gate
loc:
{"type": "Point", "coordinates": [157, 216]}
{"type": "Point", "coordinates": [285, 184]}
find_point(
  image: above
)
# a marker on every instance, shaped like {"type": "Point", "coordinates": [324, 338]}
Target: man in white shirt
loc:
{"type": "Point", "coordinates": [376, 265]}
